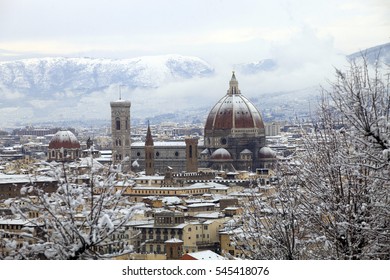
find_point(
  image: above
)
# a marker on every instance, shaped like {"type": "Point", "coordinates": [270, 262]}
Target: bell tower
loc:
{"type": "Point", "coordinates": [120, 131]}
{"type": "Point", "coordinates": [149, 153]}
{"type": "Point", "coordinates": [191, 155]}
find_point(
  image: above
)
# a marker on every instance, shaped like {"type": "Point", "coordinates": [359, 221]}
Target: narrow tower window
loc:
{"type": "Point", "coordinates": [118, 124]}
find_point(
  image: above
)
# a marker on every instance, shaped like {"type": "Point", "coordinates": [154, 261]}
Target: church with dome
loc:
{"type": "Point", "coordinates": [64, 146]}
{"type": "Point", "coordinates": [234, 133]}
{"type": "Point", "coordinates": [234, 140]}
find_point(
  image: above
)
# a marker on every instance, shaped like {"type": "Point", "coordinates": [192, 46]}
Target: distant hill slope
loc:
{"type": "Point", "coordinates": [381, 52]}
{"type": "Point", "coordinates": [43, 76]}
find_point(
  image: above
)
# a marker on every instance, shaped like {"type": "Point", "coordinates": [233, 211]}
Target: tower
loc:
{"type": "Point", "coordinates": [191, 155]}
{"type": "Point", "coordinates": [120, 130]}
{"type": "Point", "coordinates": [149, 153]}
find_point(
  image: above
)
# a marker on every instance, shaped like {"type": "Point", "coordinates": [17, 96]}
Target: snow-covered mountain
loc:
{"type": "Point", "coordinates": [43, 76]}
{"type": "Point", "coordinates": [59, 88]}
{"type": "Point", "coordinates": [381, 52]}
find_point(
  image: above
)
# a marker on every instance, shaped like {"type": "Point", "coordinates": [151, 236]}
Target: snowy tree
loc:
{"type": "Point", "coordinates": [270, 226]}
{"type": "Point", "coordinates": [78, 221]}
{"type": "Point", "coordinates": [340, 204]}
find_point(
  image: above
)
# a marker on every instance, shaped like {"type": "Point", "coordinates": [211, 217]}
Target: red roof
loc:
{"type": "Point", "coordinates": [233, 111]}
{"type": "Point", "coordinates": [64, 139]}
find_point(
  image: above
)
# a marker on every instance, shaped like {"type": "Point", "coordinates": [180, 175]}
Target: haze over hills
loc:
{"type": "Point", "coordinates": [59, 88]}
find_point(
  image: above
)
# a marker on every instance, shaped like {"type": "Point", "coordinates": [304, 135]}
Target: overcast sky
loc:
{"type": "Point", "coordinates": [236, 30]}
{"type": "Point", "coordinates": [307, 38]}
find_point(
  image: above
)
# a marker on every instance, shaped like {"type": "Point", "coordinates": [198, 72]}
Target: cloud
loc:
{"type": "Point", "coordinates": [10, 116]}
{"type": "Point", "coordinates": [10, 95]}
{"type": "Point", "coordinates": [42, 104]}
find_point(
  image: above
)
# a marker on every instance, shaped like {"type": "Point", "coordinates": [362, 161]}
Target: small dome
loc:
{"type": "Point", "coordinates": [267, 152]}
{"type": "Point", "coordinates": [64, 139]}
{"type": "Point", "coordinates": [221, 154]}
{"type": "Point", "coordinates": [246, 152]}
{"type": "Point", "coordinates": [205, 152]}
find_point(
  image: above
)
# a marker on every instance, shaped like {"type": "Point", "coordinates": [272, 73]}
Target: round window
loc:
{"type": "Point", "coordinates": [138, 154]}
{"type": "Point", "coordinates": [176, 154]}
{"type": "Point", "coordinates": [223, 141]}
{"type": "Point", "coordinates": [157, 154]}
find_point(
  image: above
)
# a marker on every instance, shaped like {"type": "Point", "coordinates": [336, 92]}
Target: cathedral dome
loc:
{"type": "Point", "coordinates": [221, 155]}
{"type": "Point", "coordinates": [64, 139]}
{"type": "Point", "coordinates": [234, 111]}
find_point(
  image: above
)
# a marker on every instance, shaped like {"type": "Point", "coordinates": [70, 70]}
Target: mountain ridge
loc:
{"type": "Point", "coordinates": [51, 74]}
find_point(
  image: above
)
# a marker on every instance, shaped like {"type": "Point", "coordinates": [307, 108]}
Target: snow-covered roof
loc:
{"type": "Point", "coordinates": [89, 162]}
{"type": "Point", "coordinates": [143, 178]}
{"type": "Point", "coordinates": [208, 184]}
{"type": "Point", "coordinates": [17, 222]}
{"type": "Point", "coordinates": [200, 205]}
{"type": "Point", "coordinates": [231, 208]}
{"type": "Point", "coordinates": [23, 179]}
{"type": "Point", "coordinates": [213, 215]}
{"type": "Point", "coordinates": [206, 255]}
{"type": "Point", "coordinates": [174, 240]}
{"type": "Point", "coordinates": [171, 200]}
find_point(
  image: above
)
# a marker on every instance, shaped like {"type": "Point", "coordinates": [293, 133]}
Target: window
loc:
{"type": "Point", "coordinates": [118, 124]}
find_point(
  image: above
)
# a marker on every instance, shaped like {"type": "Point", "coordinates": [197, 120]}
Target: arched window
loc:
{"type": "Point", "coordinates": [190, 151]}
{"type": "Point", "coordinates": [118, 124]}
